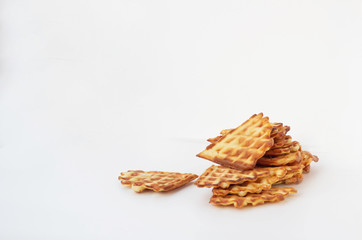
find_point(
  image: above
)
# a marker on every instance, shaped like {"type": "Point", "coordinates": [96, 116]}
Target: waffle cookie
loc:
{"type": "Point", "coordinates": [219, 176]}
{"type": "Point", "coordinates": [275, 194]}
{"type": "Point", "coordinates": [281, 160]}
{"type": "Point", "coordinates": [257, 186]}
{"type": "Point", "coordinates": [243, 146]}
{"type": "Point", "coordinates": [293, 147]}
{"type": "Point", "coordinates": [223, 177]}
{"type": "Point", "coordinates": [282, 142]}
{"type": "Point", "coordinates": [155, 180]}
{"type": "Point", "coordinates": [276, 175]}
{"type": "Point", "coordinates": [278, 151]}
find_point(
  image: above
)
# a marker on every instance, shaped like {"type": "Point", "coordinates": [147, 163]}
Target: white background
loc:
{"type": "Point", "coordinates": [92, 88]}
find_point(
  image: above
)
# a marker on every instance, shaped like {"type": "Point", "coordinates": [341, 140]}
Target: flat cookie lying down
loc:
{"type": "Point", "coordinates": [275, 194]}
{"type": "Point", "coordinates": [223, 177]}
{"type": "Point", "coordinates": [155, 180]}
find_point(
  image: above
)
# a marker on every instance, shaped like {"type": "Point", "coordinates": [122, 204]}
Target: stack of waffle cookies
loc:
{"type": "Point", "coordinates": [254, 159]}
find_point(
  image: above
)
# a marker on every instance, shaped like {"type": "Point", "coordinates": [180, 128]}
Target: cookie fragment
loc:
{"type": "Point", "coordinates": [155, 180]}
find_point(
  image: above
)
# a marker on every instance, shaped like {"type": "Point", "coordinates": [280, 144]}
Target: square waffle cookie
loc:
{"type": "Point", "coordinates": [243, 146]}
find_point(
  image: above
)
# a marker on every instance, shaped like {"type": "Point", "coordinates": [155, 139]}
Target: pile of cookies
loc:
{"type": "Point", "coordinates": [254, 157]}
